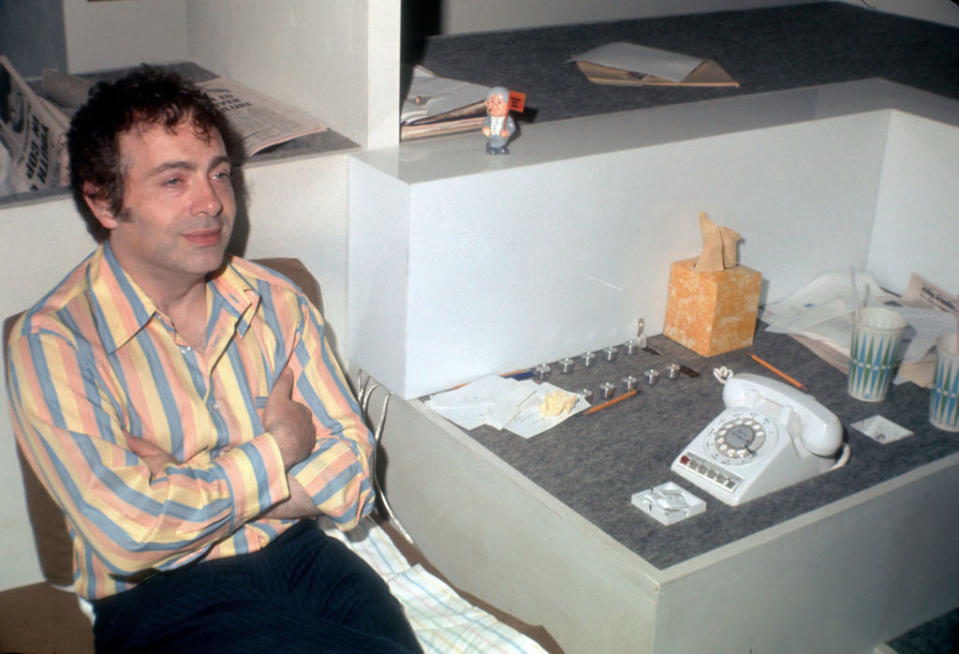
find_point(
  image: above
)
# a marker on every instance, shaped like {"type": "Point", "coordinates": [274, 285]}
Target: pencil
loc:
{"type": "Point", "coordinates": [600, 407]}
{"type": "Point", "coordinates": [776, 370]}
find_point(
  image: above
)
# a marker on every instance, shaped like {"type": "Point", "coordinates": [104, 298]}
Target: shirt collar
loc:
{"type": "Point", "coordinates": [119, 305]}
{"type": "Point", "coordinates": [122, 309]}
{"type": "Point", "coordinates": [237, 294]}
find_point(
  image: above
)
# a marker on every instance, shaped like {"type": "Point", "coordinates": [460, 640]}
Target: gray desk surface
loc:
{"type": "Point", "coordinates": [595, 463]}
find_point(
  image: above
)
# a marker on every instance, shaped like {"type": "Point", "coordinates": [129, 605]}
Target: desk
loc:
{"type": "Point", "coordinates": [545, 528]}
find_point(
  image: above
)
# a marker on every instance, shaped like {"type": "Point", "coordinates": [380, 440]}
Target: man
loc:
{"type": "Point", "coordinates": [184, 410]}
{"type": "Point", "coordinates": [498, 126]}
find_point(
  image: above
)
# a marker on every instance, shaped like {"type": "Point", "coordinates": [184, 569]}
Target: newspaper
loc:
{"type": "Point", "coordinates": [259, 120]}
{"type": "Point", "coordinates": [431, 97]}
{"type": "Point", "coordinates": [437, 105]}
{"type": "Point", "coordinates": [33, 133]}
{"type": "Point", "coordinates": [939, 313]}
{"type": "Point", "coordinates": [33, 130]}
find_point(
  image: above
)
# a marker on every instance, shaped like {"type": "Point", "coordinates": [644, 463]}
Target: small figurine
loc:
{"type": "Point", "coordinates": [499, 125]}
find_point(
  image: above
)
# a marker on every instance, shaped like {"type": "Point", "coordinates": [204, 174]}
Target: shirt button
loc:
{"type": "Point", "coordinates": [185, 348]}
{"type": "Point", "coordinates": [215, 405]}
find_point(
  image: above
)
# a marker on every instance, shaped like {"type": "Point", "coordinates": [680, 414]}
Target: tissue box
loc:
{"type": "Point", "coordinates": [712, 312]}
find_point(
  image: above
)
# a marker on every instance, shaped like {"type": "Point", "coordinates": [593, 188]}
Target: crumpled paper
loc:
{"type": "Point", "coordinates": [719, 246]}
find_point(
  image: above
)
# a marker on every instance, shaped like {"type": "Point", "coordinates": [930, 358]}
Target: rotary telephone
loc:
{"type": "Point", "coordinates": [770, 436]}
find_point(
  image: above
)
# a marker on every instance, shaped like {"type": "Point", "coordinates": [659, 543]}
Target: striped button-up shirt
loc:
{"type": "Point", "coordinates": [95, 362]}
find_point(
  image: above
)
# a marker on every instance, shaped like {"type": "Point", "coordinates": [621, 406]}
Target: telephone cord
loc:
{"type": "Point", "coordinates": [722, 374]}
{"type": "Point", "coordinates": [843, 458]}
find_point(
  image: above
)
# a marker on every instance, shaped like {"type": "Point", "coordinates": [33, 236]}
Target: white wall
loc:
{"type": "Point", "coordinates": [338, 61]}
{"type": "Point", "coordinates": [938, 11]}
{"type": "Point", "coordinates": [105, 35]}
{"type": "Point", "coordinates": [917, 223]}
{"type": "Point", "coordinates": [310, 224]}
{"type": "Point", "coordinates": [511, 265]}
{"type": "Point", "coordinates": [458, 16]}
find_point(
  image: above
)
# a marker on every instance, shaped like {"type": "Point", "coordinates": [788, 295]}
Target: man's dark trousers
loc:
{"type": "Point", "coordinates": [305, 592]}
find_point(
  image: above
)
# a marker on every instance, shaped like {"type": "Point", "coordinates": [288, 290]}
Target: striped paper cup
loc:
{"type": "Point", "coordinates": [876, 338]}
{"type": "Point", "coordinates": [944, 395]}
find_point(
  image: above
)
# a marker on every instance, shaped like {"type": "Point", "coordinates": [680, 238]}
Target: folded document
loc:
{"type": "Point", "coordinates": [503, 403]}
{"type": "Point", "coordinates": [628, 64]}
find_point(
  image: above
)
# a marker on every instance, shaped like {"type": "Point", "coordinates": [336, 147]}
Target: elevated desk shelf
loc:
{"type": "Point", "coordinates": [769, 49]}
{"type": "Point", "coordinates": [838, 563]}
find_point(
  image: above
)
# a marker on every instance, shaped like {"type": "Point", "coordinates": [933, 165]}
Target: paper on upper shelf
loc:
{"type": "Point", "coordinates": [259, 120]}
{"type": "Point", "coordinates": [664, 64]}
{"type": "Point", "coordinates": [431, 95]}
{"type": "Point", "coordinates": [628, 64]}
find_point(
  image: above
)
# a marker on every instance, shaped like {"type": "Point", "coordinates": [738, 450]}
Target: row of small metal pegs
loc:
{"type": "Point", "coordinates": [607, 390]}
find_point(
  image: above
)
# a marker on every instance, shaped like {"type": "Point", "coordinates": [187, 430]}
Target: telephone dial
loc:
{"type": "Point", "coordinates": [770, 436]}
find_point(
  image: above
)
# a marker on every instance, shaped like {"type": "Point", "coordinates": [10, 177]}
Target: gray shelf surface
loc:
{"type": "Point", "coordinates": [768, 49]}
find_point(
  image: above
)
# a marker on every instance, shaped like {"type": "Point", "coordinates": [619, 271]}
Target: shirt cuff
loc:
{"type": "Point", "coordinates": [338, 484]}
{"type": "Point", "coordinates": [256, 475]}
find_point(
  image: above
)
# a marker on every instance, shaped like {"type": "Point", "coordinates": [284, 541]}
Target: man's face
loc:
{"type": "Point", "coordinates": [496, 106]}
{"type": "Point", "coordinates": [178, 204]}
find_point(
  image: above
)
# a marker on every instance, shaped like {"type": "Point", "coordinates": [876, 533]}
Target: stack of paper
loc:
{"type": "Point", "coordinates": [440, 105]}
{"type": "Point", "coordinates": [501, 403]}
{"type": "Point", "coordinates": [821, 313]}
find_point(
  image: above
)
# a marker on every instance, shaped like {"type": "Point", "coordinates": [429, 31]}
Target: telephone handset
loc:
{"type": "Point", "coordinates": [770, 436]}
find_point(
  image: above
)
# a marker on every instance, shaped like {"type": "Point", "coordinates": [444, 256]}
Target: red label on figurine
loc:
{"type": "Point", "coordinates": [517, 101]}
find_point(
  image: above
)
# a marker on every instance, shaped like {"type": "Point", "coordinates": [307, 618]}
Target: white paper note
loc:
{"type": "Point", "coordinates": [668, 65]}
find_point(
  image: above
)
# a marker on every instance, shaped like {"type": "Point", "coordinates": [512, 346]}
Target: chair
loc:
{"type": "Point", "coordinates": [44, 617]}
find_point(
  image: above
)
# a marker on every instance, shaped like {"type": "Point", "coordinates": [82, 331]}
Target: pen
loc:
{"type": "Point", "coordinates": [776, 370]}
{"type": "Point", "coordinates": [518, 375]}
{"type": "Point", "coordinates": [600, 407]}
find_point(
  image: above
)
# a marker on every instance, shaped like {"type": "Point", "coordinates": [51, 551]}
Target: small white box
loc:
{"type": "Point", "coordinates": [882, 430]}
{"type": "Point", "coordinates": [668, 503]}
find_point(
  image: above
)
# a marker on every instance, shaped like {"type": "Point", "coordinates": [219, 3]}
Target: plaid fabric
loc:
{"type": "Point", "coordinates": [443, 622]}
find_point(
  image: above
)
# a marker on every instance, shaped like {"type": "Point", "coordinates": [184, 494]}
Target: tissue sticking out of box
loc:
{"type": "Point", "coordinates": [719, 246]}
{"type": "Point", "coordinates": [713, 301]}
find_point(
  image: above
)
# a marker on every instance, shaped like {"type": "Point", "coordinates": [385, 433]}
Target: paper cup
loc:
{"type": "Point", "coordinates": [876, 338]}
{"type": "Point", "coordinates": [944, 395]}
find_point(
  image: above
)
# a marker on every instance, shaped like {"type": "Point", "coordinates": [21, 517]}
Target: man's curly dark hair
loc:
{"type": "Point", "coordinates": [148, 95]}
